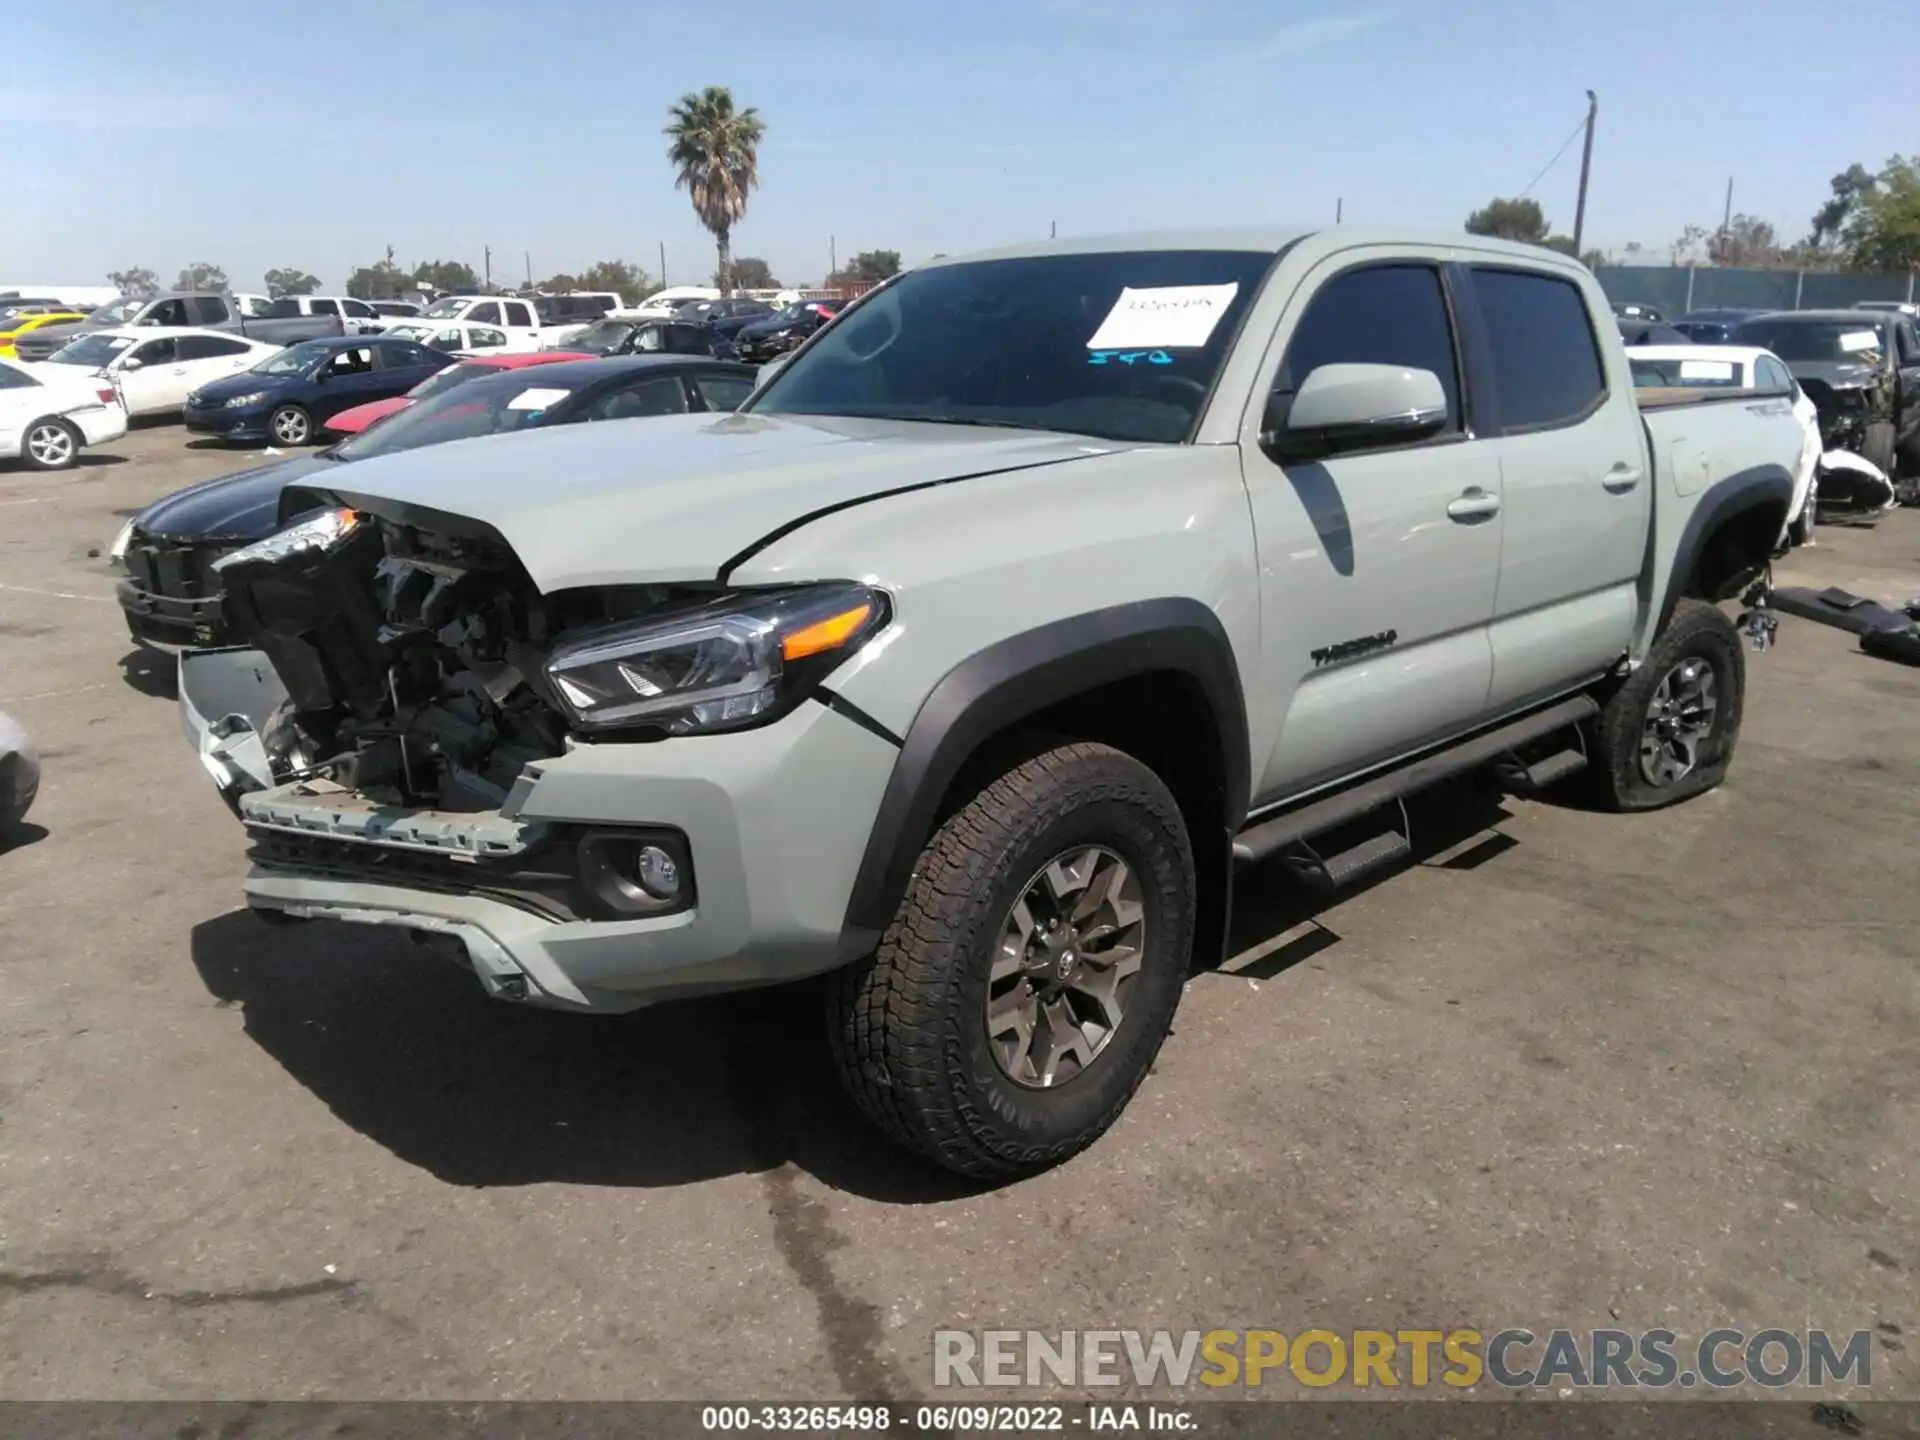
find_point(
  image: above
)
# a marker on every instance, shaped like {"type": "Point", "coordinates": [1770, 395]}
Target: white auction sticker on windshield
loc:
{"type": "Point", "coordinates": [1164, 316]}
{"type": "Point", "coordinates": [537, 399]}
{"type": "Point", "coordinates": [1706, 369]}
{"type": "Point", "coordinates": [1857, 340]}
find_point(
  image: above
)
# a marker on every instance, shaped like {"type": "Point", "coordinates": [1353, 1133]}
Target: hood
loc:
{"type": "Point", "coordinates": [49, 338]}
{"type": "Point", "coordinates": [244, 506]}
{"type": "Point", "coordinates": [766, 325]}
{"type": "Point", "coordinates": [352, 422]}
{"type": "Point", "coordinates": [244, 383]}
{"type": "Point", "coordinates": [1841, 374]}
{"type": "Point", "coordinates": [678, 498]}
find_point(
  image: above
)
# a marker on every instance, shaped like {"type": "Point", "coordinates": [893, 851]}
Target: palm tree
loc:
{"type": "Point", "coordinates": [716, 151]}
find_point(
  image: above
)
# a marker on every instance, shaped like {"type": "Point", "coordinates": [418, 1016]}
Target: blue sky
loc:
{"type": "Point", "coordinates": [260, 134]}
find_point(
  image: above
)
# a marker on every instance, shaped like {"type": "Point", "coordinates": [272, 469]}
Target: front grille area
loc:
{"type": "Point", "coordinates": [175, 569]}
{"type": "Point", "coordinates": [544, 881]}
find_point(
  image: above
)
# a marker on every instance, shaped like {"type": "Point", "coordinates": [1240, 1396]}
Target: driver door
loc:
{"type": "Point", "coordinates": [349, 378]}
{"type": "Point", "coordinates": [1378, 567]}
{"type": "Point", "coordinates": [159, 383]}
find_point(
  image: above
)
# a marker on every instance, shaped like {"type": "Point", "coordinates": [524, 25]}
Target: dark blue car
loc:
{"type": "Point", "coordinates": [288, 396]}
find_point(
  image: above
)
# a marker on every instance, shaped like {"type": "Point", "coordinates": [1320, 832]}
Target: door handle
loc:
{"type": "Point", "coordinates": [1621, 478]}
{"type": "Point", "coordinates": [1474, 504]}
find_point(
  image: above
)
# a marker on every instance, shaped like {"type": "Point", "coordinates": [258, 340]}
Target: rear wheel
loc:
{"type": "Point", "coordinates": [291, 425]}
{"type": "Point", "coordinates": [1800, 532]}
{"type": "Point", "coordinates": [50, 444]}
{"type": "Point", "coordinates": [1668, 733]}
{"type": "Point", "coordinates": [1877, 446]}
{"type": "Point", "coordinates": [1023, 990]}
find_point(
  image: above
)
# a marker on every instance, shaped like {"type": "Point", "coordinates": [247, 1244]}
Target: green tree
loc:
{"type": "Point", "coordinates": [715, 153]}
{"type": "Point", "coordinates": [869, 267]}
{"type": "Point", "coordinates": [750, 272]}
{"type": "Point", "coordinates": [559, 284]}
{"type": "Point", "coordinates": [134, 281]}
{"type": "Point", "coordinates": [1830, 221]}
{"type": "Point", "coordinates": [201, 276]}
{"type": "Point", "coordinates": [620, 277]}
{"type": "Point", "coordinates": [450, 275]}
{"type": "Point", "coordinates": [1744, 241]}
{"type": "Point", "coordinates": [1519, 219]}
{"type": "Point", "coordinates": [1883, 233]}
{"type": "Point", "coordinates": [290, 281]}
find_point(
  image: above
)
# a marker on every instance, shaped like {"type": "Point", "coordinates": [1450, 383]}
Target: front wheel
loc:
{"type": "Point", "coordinates": [1027, 981]}
{"type": "Point", "coordinates": [1800, 531]}
{"type": "Point", "coordinates": [291, 425]}
{"type": "Point", "coordinates": [50, 445]}
{"type": "Point", "coordinates": [1668, 733]}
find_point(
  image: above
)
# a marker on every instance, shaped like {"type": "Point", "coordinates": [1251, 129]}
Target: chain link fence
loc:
{"type": "Point", "coordinates": [1675, 289]}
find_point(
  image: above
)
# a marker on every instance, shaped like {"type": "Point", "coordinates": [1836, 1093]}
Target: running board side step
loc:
{"type": "Point", "coordinates": [1264, 837]}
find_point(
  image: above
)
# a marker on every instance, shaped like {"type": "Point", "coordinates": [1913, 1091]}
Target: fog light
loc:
{"type": "Point", "coordinates": [657, 872]}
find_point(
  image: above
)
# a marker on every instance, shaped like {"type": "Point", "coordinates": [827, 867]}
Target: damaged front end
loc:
{"type": "Point", "coordinates": [405, 686]}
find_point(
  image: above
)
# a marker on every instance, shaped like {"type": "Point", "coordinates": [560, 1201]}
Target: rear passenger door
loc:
{"type": "Point", "coordinates": [1377, 566]}
{"type": "Point", "coordinates": [1575, 495]}
{"type": "Point", "coordinates": [211, 357]}
{"type": "Point", "coordinates": [158, 383]}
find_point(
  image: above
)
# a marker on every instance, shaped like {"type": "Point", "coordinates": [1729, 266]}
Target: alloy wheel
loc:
{"type": "Point", "coordinates": [1679, 718]}
{"type": "Point", "coordinates": [1063, 967]}
{"type": "Point", "coordinates": [51, 446]}
{"type": "Point", "coordinates": [290, 427]}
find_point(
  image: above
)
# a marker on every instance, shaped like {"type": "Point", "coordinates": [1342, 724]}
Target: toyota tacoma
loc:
{"type": "Point", "coordinates": [964, 666]}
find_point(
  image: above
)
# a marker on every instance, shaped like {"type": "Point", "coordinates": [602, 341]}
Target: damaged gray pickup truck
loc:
{"type": "Point", "coordinates": [1030, 599]}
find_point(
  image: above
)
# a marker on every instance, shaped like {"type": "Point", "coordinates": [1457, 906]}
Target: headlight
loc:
{"type": "Point", "coordinates": [743, 659]}
{"type": "Point", "coordinates": [317, 532]}
{"type": "Point", "coordinates": [118, 550]}
{"type": "Point", "coordinates": [254, 399]}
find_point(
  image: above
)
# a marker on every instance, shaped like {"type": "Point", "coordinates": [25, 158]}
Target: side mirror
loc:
{"type": "Point", "coordinates": [132, 362]}
{"type": "Point", "coordinates": [1353, 407]}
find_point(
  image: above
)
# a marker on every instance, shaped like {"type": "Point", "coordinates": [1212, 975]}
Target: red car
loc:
{"type": "Point", "coordinates": [463, 369]}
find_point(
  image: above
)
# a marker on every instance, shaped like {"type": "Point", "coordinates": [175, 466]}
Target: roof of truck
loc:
{"type": "Point", "coordinates": [1259, 239]}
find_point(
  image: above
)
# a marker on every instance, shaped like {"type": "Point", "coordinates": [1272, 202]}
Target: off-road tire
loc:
{"type": "Point", "coordinates": [908, 1024]}
{"type": "Point", "coordinates": [1696, 630]}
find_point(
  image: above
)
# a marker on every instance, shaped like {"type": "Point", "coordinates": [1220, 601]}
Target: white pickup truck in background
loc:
{"type": "Point", "coordinates": [517, 318]}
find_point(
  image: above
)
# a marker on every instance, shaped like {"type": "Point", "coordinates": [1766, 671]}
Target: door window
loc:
{"type": "Point", "coordinates": [1545, 358]}
{"type": "Point", "coordinates": [408, 356]}
{"type": "Point", "coordinates": [487, 313]}
{"type": "Point", "coordinates": [168, 312]}
{"type": "Point", "coordinates": [212, 310]}
{"type": "Point", "coordinates": [208, 347]}
{"type": "Point", "coordinates": [1908, 342]}
{"type": "Point", "coordinates": [1380, 315]}
{"type": "Point", "coordinates": [517, 314]}
{"type": "Point", "coordinates": [12, 379]}
{"type": "Point", "coordinates": [1773, 375]}
{"type": "Point", "coordinates": [484, 339]}
{"type": "Point", "coordinates": [323, 307]}
{"type": "Point", "coordinates": [157, 352]}
{"type": "Point", "coordinates": [351, 362]}
{"type": "Point", "coordinates": [722, 392]}
{"type": "Point", "coordinates": [660, 396]}
{"type": "Point", "coordinates": [359, 309]}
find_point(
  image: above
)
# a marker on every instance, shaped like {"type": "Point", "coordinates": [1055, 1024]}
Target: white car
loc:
{"type": "Point", "coordinates": [46, 418]}
{"type": "Point", "coordinates": [459, 336]}
{"type": "Point", "coordinates": [662, 303]}
{"type": "Point", "coordinates": [155, 367]}
{"type": "Point", "coordinates": [516, 317]}
{"type": "Point", "coordinates": [1739, 367]}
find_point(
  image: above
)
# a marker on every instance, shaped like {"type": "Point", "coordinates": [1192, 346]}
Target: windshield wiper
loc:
{"type": "Point", "coordinates": [958, 420]}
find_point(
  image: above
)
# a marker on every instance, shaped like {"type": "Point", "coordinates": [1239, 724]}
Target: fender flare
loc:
{"type": "Point", "coordinates": [1726, 499]}
{"type": "Point", "coordinates": [1018, 677]}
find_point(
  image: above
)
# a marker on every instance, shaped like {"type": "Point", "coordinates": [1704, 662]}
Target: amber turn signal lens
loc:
{"type": "Point", "coordinates": [828, 634]}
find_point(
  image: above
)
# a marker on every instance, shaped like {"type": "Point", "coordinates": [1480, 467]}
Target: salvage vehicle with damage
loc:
{"type": "Point", "coordinates": [1862, 368]}
{"type": "Point", "coordinates": [967, 664]}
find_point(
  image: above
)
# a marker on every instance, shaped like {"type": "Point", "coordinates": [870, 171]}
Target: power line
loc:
{"type": "Point", "coordinates": [1556, 159]}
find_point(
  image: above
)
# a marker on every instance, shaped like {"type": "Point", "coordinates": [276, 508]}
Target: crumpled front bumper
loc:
{"type": "Point", "coordinates": [775, 821]}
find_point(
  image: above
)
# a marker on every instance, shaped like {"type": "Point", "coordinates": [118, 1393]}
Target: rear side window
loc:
{"type": "Point", "coordinates": [325, 307]}
{"type": "Point", "coordinates": [722, 392]}
{"type": "Point", "coordinates": [518, 314]}
{"type": "Point", "coordinates": [1545, 358]}
{"type": "Point", "coordinates": [487, 314]}
{"type": "Point", "coordinates": [213, 310]}
{"type": "Point", "coordinates": [12, 379]}
{"type": "Point", "coordinates": [1383, 315]}
{"type": "Point", "coordinates": [208, 347]}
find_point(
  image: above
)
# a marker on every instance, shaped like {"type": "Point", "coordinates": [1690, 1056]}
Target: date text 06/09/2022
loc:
{"type": "Point", "coordinates": [950, 1419]}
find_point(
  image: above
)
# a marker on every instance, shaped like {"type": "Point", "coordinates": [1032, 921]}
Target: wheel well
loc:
{"type": "Point", "coordinates": [1736, 552]}
{"type": "Point", "coordinates": [1164, 720]}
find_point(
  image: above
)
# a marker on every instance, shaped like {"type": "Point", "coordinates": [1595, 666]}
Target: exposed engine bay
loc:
{"type": "Point", "coordinates": [413, 660]}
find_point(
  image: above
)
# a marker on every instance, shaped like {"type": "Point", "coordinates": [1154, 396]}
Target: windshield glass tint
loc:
{"type": "Point", "coordinates": [91, 349]}
{"type": "Point", "coordinates": [1121, 345]}
{"type": "Point", "coordinates": [495, 407]}
{"type": "Point", "coordinates": [1858, 342]}
{"type": "Point", "coordinates": [442, 309]}
{"type": "Point", "coordinates": [118, 311]}
{"type": "Point", "coordinates": [1688, 374]}
{"type": "Point", "coordinates": [448, 378]}
{"type": "Point", "coordinates": [293, 360]}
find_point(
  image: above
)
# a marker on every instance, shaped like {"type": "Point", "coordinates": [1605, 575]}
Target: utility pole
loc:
{"type": "Point", "coordinates": [1586, 166]}
{"type": "Point", "coordinates": [488, 261]}
{"type": "Point", "coordinates": [1339, 209]}
{"type": "Point", "coordinates": [527, 255]}
{"type": "Point", "coordinates": [1726, 220]}
{"type": "Point", "coordinates": [663, 266]}
{"type": "Point", "coordinates": [833, 257]}
{"type": "Point", "coordinates": [1053, 229]}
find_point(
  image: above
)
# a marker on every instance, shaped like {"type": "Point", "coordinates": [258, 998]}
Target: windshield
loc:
{"type": "Point", "coordinates": [494, 406]}
{"type": "Point", "coordinates": [420, 334]}
{"type": "Point", "coordinates": [445, 309]}
{"type": "Point", "coordinates": [446, 379]}
{"type": "Point", "coordinates": [1833, 340]}
{"type": "Point", "coordinates": [295, 359]}
{"type": "Point", "coordinates": [603, 337]}
{"type": "Point", "coordinates": [119, 311]}
{"type": "Point", "coordinates": [1123, 345]}
{"type": "Point", "coordinates": [93, 350]}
